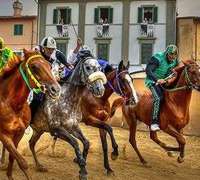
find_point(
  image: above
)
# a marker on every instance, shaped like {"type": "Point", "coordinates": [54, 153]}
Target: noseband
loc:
{"type": "Point", "coordinates": [40, 88]}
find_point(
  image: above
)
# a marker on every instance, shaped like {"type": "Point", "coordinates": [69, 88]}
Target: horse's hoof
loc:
{"type": "Point", "coordinates": [3, 167]}
{"type": "Point", "coordinates": [75, 160]}
{"type": "Point", "coordinates": [114, 155]}
{"type": "Point", "coordinates": [41, 168]}
{"type": "Point", "coordinates": [110, 172]}
{"type": "Point", "coordinates": [10, 178]}
{"type": "Point", "coordinates": [170, 154]}
{"type": "Point", "coordinates": [180, 159]}
{"type": "Point", "coordinates": [83, 177]}
{"type": "Point", "coordinates": [145, 164]}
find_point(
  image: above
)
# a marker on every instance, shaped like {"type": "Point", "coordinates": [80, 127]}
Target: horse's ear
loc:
{"type": "Point", "coordinates": [121, 65]}
{"type": "Point", "coordinates": [26, 53]}
{"type": "Point", "coordinates": [128, 65]}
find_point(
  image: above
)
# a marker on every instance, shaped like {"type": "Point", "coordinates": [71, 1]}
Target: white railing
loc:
{"type": "Point", "coordinates": [146, 30]}
{"type": "Point", "coordinates": [102, 30]}
{"type": "Point", "coordinates": [62, 30]}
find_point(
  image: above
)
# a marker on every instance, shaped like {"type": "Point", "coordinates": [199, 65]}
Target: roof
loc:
{"type": "Point", "coordinates": [18, 17]}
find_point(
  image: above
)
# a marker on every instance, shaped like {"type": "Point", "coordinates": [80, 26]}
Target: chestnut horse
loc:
{"type": "Point", "coordinates": [32, 74]}
{"type": "Point", "coordinates": [96, 111]}
{"type": "Point", "coordinates": [174, 114]}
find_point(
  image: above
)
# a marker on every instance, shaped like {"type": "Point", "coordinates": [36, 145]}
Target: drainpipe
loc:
{"type": "Point", "coordinates": [196, 42]}
{"type": "Point", "coordinates": [32, 34]}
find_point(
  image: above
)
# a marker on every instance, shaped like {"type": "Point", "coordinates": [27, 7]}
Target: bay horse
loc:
{"type": "Point", "coordinates": [174, 114]}
{"type": "Point", "coordinates": [32, 74]}
{"type": "Point", "coordinates": [61, 118]}
{"type": "Point", "coordinates": [96, 111]}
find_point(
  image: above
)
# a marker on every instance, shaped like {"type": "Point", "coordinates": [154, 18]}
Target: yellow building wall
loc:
{"type": "Point", "coordinates": [27, 40]}
{"type": "Point", "coordinates": [185, 38]}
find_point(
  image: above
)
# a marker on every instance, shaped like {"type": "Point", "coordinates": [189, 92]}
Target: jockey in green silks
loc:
{"type": "Point", "coordinates": [5, 54]}
{"type": "Point", "coordinates": [158, 69]}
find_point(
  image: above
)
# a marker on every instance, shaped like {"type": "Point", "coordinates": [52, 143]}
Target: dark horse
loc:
{"type": "Point", "coordinates": [96, 111]}
{"type": "Point", "coordinates": [174, 115]}
{"type": "Point", "coordinates": [61, 118]}
{"type": "Point", "coordinates": [34, 74]}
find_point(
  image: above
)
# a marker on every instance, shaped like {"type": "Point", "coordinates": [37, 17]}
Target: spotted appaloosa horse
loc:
{"type": "Point", "coordinates": [96, 111]}
{"type": "Point", "coordinates": [174, 114]}
{"type": "Point", "coordinates": [62, 118]}
{"type": "Point", "coordinates": [34, 73]}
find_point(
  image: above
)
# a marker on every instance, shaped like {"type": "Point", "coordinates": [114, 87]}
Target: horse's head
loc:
{"type": "Point", "coordinates": [37, 72]}
{"type": "Point", "coordinates": [87, 73]}
{"type": "Point", "coordinates": [192, 72]}
{"type": "Point", "coordinates": [122, 82]}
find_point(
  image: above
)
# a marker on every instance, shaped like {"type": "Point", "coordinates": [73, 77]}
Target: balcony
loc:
{"type": "Point", "coordinates": [146, 30]}
{"type": "Point", "coordinates": [102, 30]}
{"type": "Point", "coordinates": [62, 30]}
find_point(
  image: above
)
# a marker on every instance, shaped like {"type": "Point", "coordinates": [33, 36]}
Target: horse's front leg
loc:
{"type": "Point", "coordinates": [2, 157]}
{"type": "Point", "coordinates": [94, 122]}
{"type": "Point", "coordinates": [79, 135]}
{"type": "Point", "coordinates": [66, 136]}
{"type": "Point", "coordinates": [181, 141]}
{"type": "Point", "coordinates": [32, 142]}
{"type": "Point", "coordinates": [105, 151]}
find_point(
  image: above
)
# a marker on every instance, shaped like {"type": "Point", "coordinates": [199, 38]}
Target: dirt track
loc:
{"type": "Point", "coordinates": [126, 166]}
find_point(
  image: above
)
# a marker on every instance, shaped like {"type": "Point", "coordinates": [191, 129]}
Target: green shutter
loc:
{"type": "Point", "coordinates": [96, 15]}
{"type": "Point", "coordinates": [18, 29]}
{"type": "Point", "coordinates": [55, 16]}
{"type": "Point", "coordinates": [140, 14]}
{"type": "Point", "coordinates": [155, 15]}
{"type": "Point", "coordinates": [69, 12]}
{"type": "Point", "coordinates": [110, 15]}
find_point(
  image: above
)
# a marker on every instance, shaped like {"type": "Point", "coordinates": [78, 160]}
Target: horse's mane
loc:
{"type": "Point", "coordinates": [108, 69]}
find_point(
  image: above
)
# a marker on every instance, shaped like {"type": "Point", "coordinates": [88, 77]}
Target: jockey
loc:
{"type": "Point", "coordinates": [50, 52]}
{"type": "Point", "coordinates": [5, 55]}
{"type": "Point", "coordinates": [158, 69]}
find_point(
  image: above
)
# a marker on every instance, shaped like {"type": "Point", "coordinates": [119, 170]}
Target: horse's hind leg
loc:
{"type": "Point", "coordinates": [66, 136]}
{"type": "Point", "coordinates": [2, 158]}
{"type": "Point", "coordinates": [79, 135]}
{"type": "Point", "coordinates": [154, 137]}
{"type": "Point", "coordinates": [32, 142]}
{"type": "Point", "coordinates": [181, 141]}
{"type": "Point", "coordinates": [132, 140]}
{"type": "Point", "coordinates": [105, 151]}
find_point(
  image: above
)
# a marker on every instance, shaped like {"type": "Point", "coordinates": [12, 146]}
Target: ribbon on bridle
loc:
{"type": "Point", "coordinates": [40, 88]}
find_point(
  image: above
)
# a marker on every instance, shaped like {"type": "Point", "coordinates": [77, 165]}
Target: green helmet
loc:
{"type": "Point", "coordinates": [172, 50]}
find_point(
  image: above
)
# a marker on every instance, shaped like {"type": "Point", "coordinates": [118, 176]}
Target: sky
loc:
{"type": "Point", "coordinates": [184, 7]}
{"type": "Point", "coordinates": [29, 7]}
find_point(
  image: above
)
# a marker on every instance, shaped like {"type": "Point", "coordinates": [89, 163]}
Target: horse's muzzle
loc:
{"type": "Point", "coordinates": [54, 91]}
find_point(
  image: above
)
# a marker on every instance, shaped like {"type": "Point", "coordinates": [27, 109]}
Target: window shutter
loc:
{"type": "Point", "coordinates": [140, 14]}
{"type": "Point", "coordinates": [155, 15]}
{"type": "Point", "coordinates": [55, 16]}
{"type": "Point", "coordinates": [96, 15]}
{"type": "Point", "coordinates": [110, 15]}
{"type": "Point", "coordinates": [69, 11]}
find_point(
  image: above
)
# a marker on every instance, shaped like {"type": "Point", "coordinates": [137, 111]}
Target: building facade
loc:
{"type": "Point", "coordinates": [114, 29]}
{"type": "Point", "coordinates": [19, 31]}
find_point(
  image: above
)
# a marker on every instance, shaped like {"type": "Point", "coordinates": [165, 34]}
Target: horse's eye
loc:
{"type": "Point", "coordinates": [88, 68]}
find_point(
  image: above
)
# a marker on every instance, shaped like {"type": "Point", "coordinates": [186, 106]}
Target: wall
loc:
{"type": "Point", "coordinates": [19, 42]}
{"type": "Point", "coordinates": [51, 28]}
{"type": "Point", "coordinates": [115, 29]}
{"type": "Point", "coordinates": [134, 32]}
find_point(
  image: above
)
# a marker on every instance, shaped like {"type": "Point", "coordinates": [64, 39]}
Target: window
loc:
{"type": "Point", "coordinates": [147, 14]}
{"type": "Point", "coordinates": [62, 46]}
{"type": "Point", "coordinates": [103, 15]}
{"type": "Point", "coordinates": [103, 51]}
{"type": "Point", "coordinates": [18, 29]}
{"type": "Point", "coordinates": [146, 52]}
{"type": "Point", "coordinates": [62, 16]}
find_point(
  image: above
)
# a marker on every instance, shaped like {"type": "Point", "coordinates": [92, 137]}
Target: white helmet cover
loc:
{"type": "Point", "coordinates": [49, 42]}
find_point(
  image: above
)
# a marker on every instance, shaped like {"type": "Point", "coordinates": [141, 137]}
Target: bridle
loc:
{"type": "Point", "coordinates": [39, 87]}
